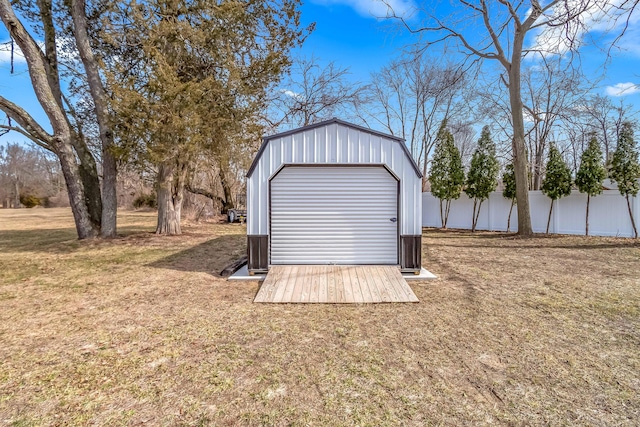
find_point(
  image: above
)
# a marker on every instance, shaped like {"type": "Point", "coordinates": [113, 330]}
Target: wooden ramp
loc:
{"type": "Point", "coordinates": [334, 284]}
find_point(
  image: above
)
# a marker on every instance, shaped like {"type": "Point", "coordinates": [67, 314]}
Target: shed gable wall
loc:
{"type": "Point", "coordinates": [333, 144]}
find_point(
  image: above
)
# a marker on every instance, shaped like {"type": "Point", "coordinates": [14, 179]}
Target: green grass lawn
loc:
{"type": "Point", "coordinates": [142, 330]}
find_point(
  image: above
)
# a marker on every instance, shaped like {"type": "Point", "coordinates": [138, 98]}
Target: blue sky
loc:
{"type": "Point", "coordinates": [349, 33]}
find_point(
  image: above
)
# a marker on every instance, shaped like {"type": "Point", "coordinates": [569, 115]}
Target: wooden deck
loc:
{"type": "Point", "coordinates": [334, 284]}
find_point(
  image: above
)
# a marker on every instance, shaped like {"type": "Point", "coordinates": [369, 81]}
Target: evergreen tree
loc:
{"type": "Point", "coordinates": [625, 169]}
{"type": "Point", "coordinates": [193, 79]}
{"type": "Point", "coordinates": [447, 173]}
{"type": "Point", "coordinates": [557, 180]}
{"type": "Point", "coordinates": [591, 174]}
{"type": "Point", "coordinates": [509, 192]}
{"type": "Point", "coordinates": [483, 174]}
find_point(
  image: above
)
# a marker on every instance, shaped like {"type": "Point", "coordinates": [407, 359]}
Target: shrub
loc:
{"type": "Point", "coordinates": [145, 201]}
{"type": "Point", "coordinates": [29, 200]}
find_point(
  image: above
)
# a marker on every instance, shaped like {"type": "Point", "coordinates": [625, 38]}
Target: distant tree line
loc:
{"type": "Point", "coordinates": [448, 180]}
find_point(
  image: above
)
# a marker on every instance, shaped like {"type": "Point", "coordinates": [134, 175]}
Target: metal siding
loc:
{"type": "Point", "coordinates": [334, 215]}
{"type": "Point", "coordinates": [344, 145]}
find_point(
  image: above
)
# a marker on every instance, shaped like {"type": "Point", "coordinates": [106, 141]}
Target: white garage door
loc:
{"type": "Point", "coordinates": [334, 215]}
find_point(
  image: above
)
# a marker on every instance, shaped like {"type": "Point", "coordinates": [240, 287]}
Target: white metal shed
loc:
{"type": "Point", "coordinates": [333, 193]}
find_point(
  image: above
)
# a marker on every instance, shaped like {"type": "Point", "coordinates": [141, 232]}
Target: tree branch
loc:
{"type": "Point", "coordinates": [26, 122]}
{"type": "Point", "coordinates": [25, 133]}
{"type": "Point", "coordinates": [494, 37]}
{"type": "Point", "coordinates": [203, 192]}
{"type": "Point", "coordinates": [37, 63]}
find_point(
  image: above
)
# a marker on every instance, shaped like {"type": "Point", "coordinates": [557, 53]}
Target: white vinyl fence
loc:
{"type": "Point", "coordinates": [608, 213]}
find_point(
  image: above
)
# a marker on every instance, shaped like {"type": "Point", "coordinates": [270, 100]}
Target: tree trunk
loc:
{"type": "Point", "coordinates": [442, 224]}
{"type": "Point", "coordinates": [633, 221]}
{"type": "Point", "coordinates": [519, 151]}
{"type": "Point", "coordinates": [537, 170]}
{"type": "Point", "coordinates": [477, 215]}
{"type": "Point", "coordinates": [509, 217]}
{"type": "Point", "coordinates": [170, 187]}
{"type": "Point", "coordinates": [100, 100]}
{"type": "Point", "coordinates": [85, 227]}
{"type": "Point", "coordinates": [109, 194]}
{"type": "Point", "coordinates": [228, 196]}
{"type": "Point", "coordinates": [586, 227]}
{"type": "Point", "coordinates": [549, 219]}
{"type": "Point", "coordinates": [16, 200]}
{"type": "Point", "coordinates": [473, 216]}
{"type": "Point", "coordinates": [90, 179]}
{"type": "Point", "coordinates": [88, 169]}
{"type": "Point", "coordinates": [447, 209]}
{"type": "Point", "coordinates": [62, 134]}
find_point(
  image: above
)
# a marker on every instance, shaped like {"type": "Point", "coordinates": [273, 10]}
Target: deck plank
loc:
{"type": "Point", "coordinates": [354, 285]}
{"type": "Point", "coordinates": [314, 290]}
{"type": "Point", "coordinates": [365, 275]}
{"type": "Point", "coordinates": [289, 287]}
{"type": "Point", "coordinates": [305, 286]}
{"type": "Point", "coordinates": [323, 283]}
{"type": "Point", "coordinates": [367, 295]}
{"type": "Point", "coordinates": [268, 286]}
{"type": "Point", "coordinates": [346, 284]}
{"type": "Point", "coordinates": [331, 284]}
{"type": "Point", "coordinates": [340, 296]}
{"type": "Point", "coordinates": [334, 284]}
{"type": "Point", "coordinates": [402, 288]}
{"type": "Point", "coordinates": [281, 288]}
{"type": "Point", "coordinates": [393, 294]}
{"type": "Point", "coordinates": [297, 287]}
{"type": "Point", "coordinates": [385, 294]}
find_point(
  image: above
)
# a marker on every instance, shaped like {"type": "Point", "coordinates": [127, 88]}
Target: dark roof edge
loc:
{"type": "Point", "coordinates": [328, 122]}
{"type": "Point", "coordinates": [266, 140]}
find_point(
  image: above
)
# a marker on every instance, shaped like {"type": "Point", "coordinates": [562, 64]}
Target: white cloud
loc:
{"type": "Point", "coordinates": [5, 53]}
{"type": "Point", "coordinates": [66, 53]}
{"type": "Point", "coordinates": [598, 18]}
{"type": "Point", "coordinates": [622, 89]}
{"type": "Point", "coordinates": [291, 93]}
{"type": "Point", "coordinates": [375, 8]}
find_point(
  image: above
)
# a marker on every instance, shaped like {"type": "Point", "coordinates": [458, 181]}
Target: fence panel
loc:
{"type": "Point", "coordinates": [608, 214]}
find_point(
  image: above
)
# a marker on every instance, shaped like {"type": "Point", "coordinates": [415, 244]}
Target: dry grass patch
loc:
{"type": "Point", "coordinates": [141, 329]}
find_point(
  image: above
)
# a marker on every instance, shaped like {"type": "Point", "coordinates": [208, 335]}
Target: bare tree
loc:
{"type": "Point", "coordinates": [605, 118]}
{"type": "Point", "coordinates": [594, 115]}
{"type": "Point", "coordinates": [94, 208]}
{"type": "Point", "coordinates": [465, 139]}
{"type": "Point", "coordinates": [63, 141]}
{"type": "Point", "coordinates": [313, 93]}
{"type": "Point", "coordinates": [410, 97]}
{"type": "Point", "coordinates": [14, 166]}
{"type": "Point", "coordinates": [550, 89]}
{"type": "Point", "coordinates": [503, 27]}
{"type": "Point", "coordinates": [27, 171]}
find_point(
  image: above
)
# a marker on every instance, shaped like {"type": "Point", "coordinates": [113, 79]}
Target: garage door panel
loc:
{"type": "Point", "coordinates": [333, 215]}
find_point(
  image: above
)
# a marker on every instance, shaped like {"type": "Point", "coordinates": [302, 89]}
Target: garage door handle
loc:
{"type": "Point", "coordinates": [393, 219]}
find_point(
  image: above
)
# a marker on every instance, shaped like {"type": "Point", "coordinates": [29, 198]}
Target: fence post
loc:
{"type": "Point", "coordinates": [489, 226]}
{"type": "Point", "coordinates": [556, 218]}
{"type": "Point", "coordinates": [635, 208]}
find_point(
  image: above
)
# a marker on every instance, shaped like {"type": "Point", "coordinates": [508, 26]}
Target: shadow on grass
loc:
{"type": "Point", "coordinates": [621, 245]}
{"type": "Point", "coordinates": [208, 257]}
{"type": "Point", "coordinates": [459, 232]}
{"type": "Point", "coordinates": [536, 241]}
{"type": "Point", "coordinates": [55, 240]}
{"type": "Point", "coordinates": [40, 240]}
